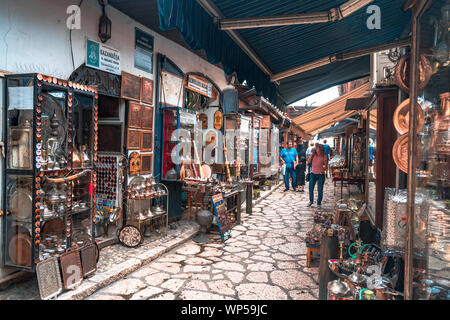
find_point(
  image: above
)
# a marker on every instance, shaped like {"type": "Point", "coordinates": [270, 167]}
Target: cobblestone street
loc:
{"type": "Point", "coordinates": [264, 259]}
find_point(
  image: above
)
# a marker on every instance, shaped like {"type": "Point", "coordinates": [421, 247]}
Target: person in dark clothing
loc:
{"type": "Point", "coordinates": [300, 170]}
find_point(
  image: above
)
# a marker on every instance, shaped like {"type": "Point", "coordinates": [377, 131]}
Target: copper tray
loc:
{"type": "Point", "coordinates": [402, 72]}
{"type": "Point", "coordinates": [71, 268]}
{"type": "Point", "coordinates": [130, 236]}
{"type": "Point", "coordinates": [401, 117]}
{"type": "Point", "coordinates": [19, 249]}
{"type": "Point", "coordinates": [89, 260]}
{"type": "Point", "coordinates": [400, 153]}
{"type": "Point", "coordinates": [49, 278]}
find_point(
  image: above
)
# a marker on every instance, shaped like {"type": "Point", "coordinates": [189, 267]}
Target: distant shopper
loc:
{"type": "Point", "coordinates": [327, 149]}
{"type": "Point", "coordinates": [300, 174]}
{"type": "Point", "coordinates": [301, 149]}
{"type": "Point", "coordinates": [371, 157]}
{"type": "Point", "coordinates": [319, 164]}
{"type": "Point", "coordinates": [308, 153]}
{"type": "Point", "coordinates": [289, 158]}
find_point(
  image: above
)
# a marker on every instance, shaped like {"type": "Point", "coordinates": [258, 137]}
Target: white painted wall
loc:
{"type": "Point", "coordinates": [34, 39]}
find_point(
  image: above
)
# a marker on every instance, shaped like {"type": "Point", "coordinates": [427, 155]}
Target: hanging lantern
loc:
{"type": "Point", "coordinates": [104, 27]}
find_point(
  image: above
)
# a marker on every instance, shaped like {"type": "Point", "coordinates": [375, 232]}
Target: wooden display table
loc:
{"type": "Point", "coordinates": [310, 249]}
{"type": "Point", "coordinates": [349, 181]}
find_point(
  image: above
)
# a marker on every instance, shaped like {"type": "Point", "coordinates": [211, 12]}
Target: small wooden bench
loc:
{"type": "Point", "coordinates": [310, 248]}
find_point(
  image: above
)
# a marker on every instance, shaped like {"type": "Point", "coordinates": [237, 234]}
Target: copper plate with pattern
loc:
{"type": "Point", "coordinates": [49, 278]}
{"type": "Point", "coordinates": [130, 236]}
{"type": "Point", "coordinates": [89, 259]}
{"type": "Point", "coordinates": [401, 117]}
{"type": "Point", "coordinates": [400, 153]}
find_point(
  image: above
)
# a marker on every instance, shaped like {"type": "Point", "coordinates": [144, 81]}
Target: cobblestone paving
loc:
{"type": "Point", "coordinates": [109, 257]}
{"type": "Point", "coordinates": [264, 259]}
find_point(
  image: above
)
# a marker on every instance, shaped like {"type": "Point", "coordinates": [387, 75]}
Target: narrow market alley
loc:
{"type": "Point", "coordinates": [264, 259]}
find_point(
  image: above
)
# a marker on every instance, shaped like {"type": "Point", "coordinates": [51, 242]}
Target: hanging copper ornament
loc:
{"type": "Point", "coordinates": [402, 72]}
{"type": "Point", "coordinates": [401, 117]}
{"type": "Point", "coordinates": [400, 153]}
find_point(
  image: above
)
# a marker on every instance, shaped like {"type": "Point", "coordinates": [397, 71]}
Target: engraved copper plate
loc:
{"type": "Point", "coordinates": [49, 278]}
{"type": "Point", "coordinates": [130, 87]}
{"type": "Point", "coordinates": [400, 153]}
{"type": "Point", "coordinates": [133, 139]}
{"type": "Point", "coordinates": [146, 140]}
{"type": "Point", "coordinates": [146, 164]}
{"type": "Point", "coordinates": [19, 249]}
{"type": "Point", "coordinates": [147, 91]}
{"type": "Point", "coordinates": [89, 259]}
{"type": "Point", "coordinates": [401, 117]}
{"type": "Point", "coordinates": [134, 115]}
{"type": "Point", "coordinates": [146, 117]}
{"type": "Point", "coordinates": [130, 236]}
{"type": "Point", "coordinates": [134, 164]}
{"type": "Point", "coordinates": [71, 268]}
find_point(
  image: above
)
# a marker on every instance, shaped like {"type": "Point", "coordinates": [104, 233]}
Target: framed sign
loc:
{"type": "Point", "coordinates": [146, 140]}
{"type": "Point", "coordinates": [102, 57]}
{"type": "Point", "coordinates": [146, 163]}
{"type": "Point", "coordinates": [130, 87]}
{"type": "Point", "coordinates": [218, 120]}
{"type": "Point", "coordinates": [146, 117]}
{"type": "Point", "coordinates": [202, 86]}
{"type": "Point", "coordinates": [147, 91]}
{"type": "Point", "coordinates": [171, 89]}
{"type": "Point", "coordinates": [133, 139]}
{"type": "Point", "coordinates": [134, 115]}
{"type": "Point", "coordinates": [223, 217]}
{"type": "Point", "coordinates": [143, 51]}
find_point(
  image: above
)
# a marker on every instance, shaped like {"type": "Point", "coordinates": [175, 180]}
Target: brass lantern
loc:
{"type": "Point", "coordinates": [104, 27]}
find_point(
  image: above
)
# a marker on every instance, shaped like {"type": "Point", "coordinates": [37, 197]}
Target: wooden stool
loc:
{"type": "Point", "coordinates": [309, 251]}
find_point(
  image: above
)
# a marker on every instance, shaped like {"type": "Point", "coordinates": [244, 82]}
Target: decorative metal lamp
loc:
{"type": "Point", "coordinates": [104, 27]}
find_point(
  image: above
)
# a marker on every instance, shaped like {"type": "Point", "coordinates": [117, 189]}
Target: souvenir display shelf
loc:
{"type": "Point", "coordinates": [147, 205]}
{"type": "Point", "coordinates": [181, 128]}
{"type": "Point", "coordinates": [50, 129]}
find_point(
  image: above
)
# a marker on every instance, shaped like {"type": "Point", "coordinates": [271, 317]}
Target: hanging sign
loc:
{"type": "Point", "coordinates": [101, 57]}
{"type": "Point", "coordinates": [143, 51]}
{"type": "Point", "coordinates": [201, 85]}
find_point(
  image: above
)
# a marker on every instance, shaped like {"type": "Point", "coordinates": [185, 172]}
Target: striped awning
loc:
{"type": "Point", "coordinates": [321, 118]}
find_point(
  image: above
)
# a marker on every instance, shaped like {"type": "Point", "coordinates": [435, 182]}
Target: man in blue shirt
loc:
{"type": "Point", "coordinates": [327, 149]}
{"type": "Point", "coordinates": [289, 157]}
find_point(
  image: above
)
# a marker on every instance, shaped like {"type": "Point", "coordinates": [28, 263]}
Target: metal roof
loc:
{"type": "Point", "coordinates": [321, 118]}
{"type": "Point", "coordinates": [279, 48]}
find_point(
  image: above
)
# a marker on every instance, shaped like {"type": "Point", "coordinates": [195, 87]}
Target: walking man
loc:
{"type": "Point", "coordinates": [289, 158]}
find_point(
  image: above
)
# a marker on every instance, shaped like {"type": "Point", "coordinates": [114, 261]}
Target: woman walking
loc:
{"type": "Point", "coordinates": [319, 165]}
